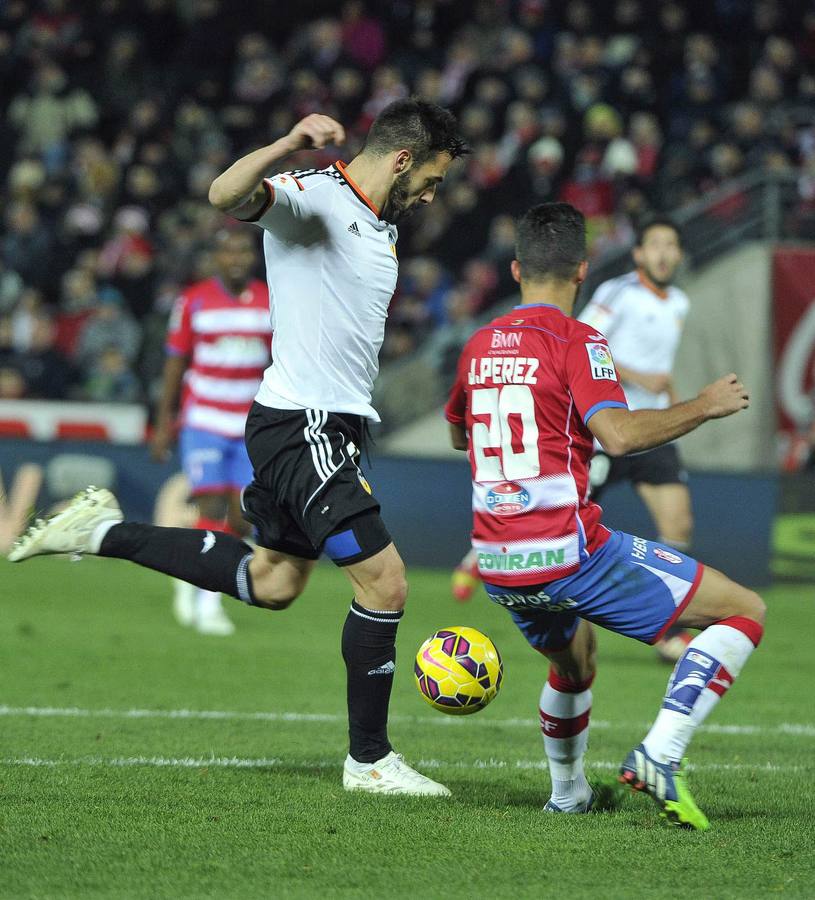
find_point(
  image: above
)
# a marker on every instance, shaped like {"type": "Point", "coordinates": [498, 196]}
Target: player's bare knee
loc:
{"type": "Point", "coordinates": [271, 587]}
{"type": "Point", "coordinates": [392, 589]}
{"type": "Point", "coordinates": [270, 594]}
{"type": "Point", "coordinates": [274, 604]}
{"type": "Point", "coordinates": [754, 607]}
{"type": "Point", "coordinates": [743, 602]}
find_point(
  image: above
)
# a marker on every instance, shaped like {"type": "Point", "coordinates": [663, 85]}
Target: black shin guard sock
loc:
{"type": "Point", "coordinates": [369, 651]}
{"type": "Point", "coordinates": [208, 559]}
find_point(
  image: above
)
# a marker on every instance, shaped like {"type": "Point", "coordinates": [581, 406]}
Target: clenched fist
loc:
{"type": "Point", "coordinates": [315, 132]}
{"type": "Point", "coordinates": [724, 397]}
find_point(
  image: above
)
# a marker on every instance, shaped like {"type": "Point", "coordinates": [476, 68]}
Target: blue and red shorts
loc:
{"type": "Point", "coordinates": [632, 586]}
{"type": "Point", "coordinates": [214, 463]}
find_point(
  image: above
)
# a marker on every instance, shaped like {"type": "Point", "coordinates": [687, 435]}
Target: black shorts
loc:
{"type": "Point", "coordinates": [658, 466]}
{"type": "Point", "coordinates": [308, 494]}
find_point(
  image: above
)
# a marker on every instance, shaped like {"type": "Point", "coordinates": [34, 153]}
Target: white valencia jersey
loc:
{"type": "Point", "coordinates": [643, 326]}
{"type": "Point", "coordinates": [331, 268]}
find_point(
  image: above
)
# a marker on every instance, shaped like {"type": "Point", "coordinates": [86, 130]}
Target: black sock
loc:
{"type": "Point", "coordinates": [369, 651]}
{"type": "Point", "coordinates": [208, 559]}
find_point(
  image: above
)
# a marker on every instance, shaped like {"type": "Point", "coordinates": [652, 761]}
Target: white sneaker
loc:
{"type": "Point", "coordinates": [214, 621]}
{"type": "Point", "coordinates": [389, 775]}
{"type": "Point", "coordinates": [184, 602]}
{"type": "Point", "coordinates": [77, 529]}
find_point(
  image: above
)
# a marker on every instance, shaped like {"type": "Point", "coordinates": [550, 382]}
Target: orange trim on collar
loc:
{"type": "Point", "coordinates": [645, 281]}
{"type": "Point", "coordinates": [361, 195]}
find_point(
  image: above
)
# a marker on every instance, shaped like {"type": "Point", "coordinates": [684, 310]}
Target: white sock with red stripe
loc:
{"type": "Point", "coordinates": [701, 677]}
{"type": "Point", "coordinates": [565, 707]}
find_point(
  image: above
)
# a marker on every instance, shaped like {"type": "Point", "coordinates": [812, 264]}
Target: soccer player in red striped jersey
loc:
{"type": "Point", "coordinates": [218, 345]}
{"type": "Point", "coordinates": [533, 390]}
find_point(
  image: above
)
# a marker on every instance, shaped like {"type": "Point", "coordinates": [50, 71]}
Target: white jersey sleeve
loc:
{"type": "Point", "coordinates": [288, 199]}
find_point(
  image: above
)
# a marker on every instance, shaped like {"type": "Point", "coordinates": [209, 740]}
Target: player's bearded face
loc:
{"type": "Point", "coordinates": [660, 255]}
{"type": "Point", "coordinates": [399, 205]}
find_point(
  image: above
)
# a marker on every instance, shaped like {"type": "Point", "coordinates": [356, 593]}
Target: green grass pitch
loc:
{"type": "Point", "coordinates": [139, 759]}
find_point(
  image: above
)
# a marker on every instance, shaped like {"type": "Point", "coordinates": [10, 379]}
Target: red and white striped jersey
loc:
{"type": "Point", "coordinates": [526, 387]}
{"type": "Point", "coordinates": [228, 341]}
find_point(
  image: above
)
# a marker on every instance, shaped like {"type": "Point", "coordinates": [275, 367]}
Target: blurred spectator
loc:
{"type": "Point", "coordinates": [108, 326]}
{"type": "Point", "coordinates": [27, 349]}
{"type": "Point", "coordinates": [110, 378]}
{"type": "Point", "coordinates": [49, 112]}
{"type": "Point", "coordinates": [118, 116]}
{"type": "Point", "coordinates": [26, 243]}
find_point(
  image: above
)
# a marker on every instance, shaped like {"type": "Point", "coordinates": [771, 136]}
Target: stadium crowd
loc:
{"type": "Point", "coordinates": [117, 115]}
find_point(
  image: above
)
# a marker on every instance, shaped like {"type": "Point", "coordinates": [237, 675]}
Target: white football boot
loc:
{"type": "Point", "coordinates": [209, 616]}
{"type": "Point", "coordinates": [79, 528]}
{"type": "Point", "coordinates": [184, 602]}
{"type": "Point", "coordinates": [389, 775]}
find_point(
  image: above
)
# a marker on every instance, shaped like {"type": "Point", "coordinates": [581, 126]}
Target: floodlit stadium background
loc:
{"type": "Point", "coordinates": [117, 116]}
{"type": "Point", "coordinates": [142, 759]}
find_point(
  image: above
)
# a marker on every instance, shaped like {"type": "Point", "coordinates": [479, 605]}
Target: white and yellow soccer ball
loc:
{"type": "Point", "coordinates": [458, 670]}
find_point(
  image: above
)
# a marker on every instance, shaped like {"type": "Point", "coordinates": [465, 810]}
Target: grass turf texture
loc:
{"type": "Point", "coordinates": [124, 804]}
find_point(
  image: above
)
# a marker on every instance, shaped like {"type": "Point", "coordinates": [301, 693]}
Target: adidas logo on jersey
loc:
{"type": "Point", "coordinates": [354, 229]}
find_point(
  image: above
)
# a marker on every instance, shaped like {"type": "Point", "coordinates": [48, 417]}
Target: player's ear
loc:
{"type": "Point", "coordinates": [582, 271]}
{"type": "Point", "coordinates": [515, 270]}
{"type": "Point", "coordinates": [402, 161]}
{"type": "Point", "coordinates": [637, 254]}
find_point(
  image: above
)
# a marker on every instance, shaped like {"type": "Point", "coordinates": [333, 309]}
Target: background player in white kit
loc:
{"type": "Point", "coordinates": [642, 315]}
{"type": "Point", "coordinates": [331, 266]}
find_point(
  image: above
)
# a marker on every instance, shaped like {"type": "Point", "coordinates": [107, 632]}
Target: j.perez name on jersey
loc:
{"type": "Point", "coordinates": [503, 370]}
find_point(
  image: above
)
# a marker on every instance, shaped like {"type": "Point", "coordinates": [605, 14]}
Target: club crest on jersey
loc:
{"type": "Point", "coordinates": [507, 499]}
{"type": "Point", "coordinates": [602, 365]}
{"type": "Point", "coordinates": [667, 556]}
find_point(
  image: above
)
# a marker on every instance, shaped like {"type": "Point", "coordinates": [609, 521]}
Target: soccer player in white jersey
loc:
{"type": "Point", "coordinates": [642, 314]}
{"type": "Point", "coordinates": [329, 238]}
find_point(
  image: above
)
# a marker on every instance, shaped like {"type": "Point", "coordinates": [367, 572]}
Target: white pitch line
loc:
{"type": "Point", "coordinates": [235, 762]}
{"type": "Point", "coordinates": [794, 729]}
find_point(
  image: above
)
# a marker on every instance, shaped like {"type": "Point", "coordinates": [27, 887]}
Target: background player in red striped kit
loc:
{"type": "Point", "coordinates": [218, 344]}
{"type": "Point", "coordinates": [534, 389]}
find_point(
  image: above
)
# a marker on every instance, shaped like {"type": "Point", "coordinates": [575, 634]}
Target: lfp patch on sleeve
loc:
{"type": "Point", "coordinates": [602, 365]}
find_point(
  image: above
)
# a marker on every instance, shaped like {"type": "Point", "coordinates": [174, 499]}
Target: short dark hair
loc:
{"type": "Point", "coordinates": [650, 222]}
{"type": "Point", "coordinates": [416, 125]}
{"type": "Point", "coordinates": [551, 242]}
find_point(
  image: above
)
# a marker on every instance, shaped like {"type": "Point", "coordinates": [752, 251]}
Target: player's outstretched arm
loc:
{"type": "Point", "coordinates": [239, 191]}
{"type": "Point", "coordinates": [622, 431]}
